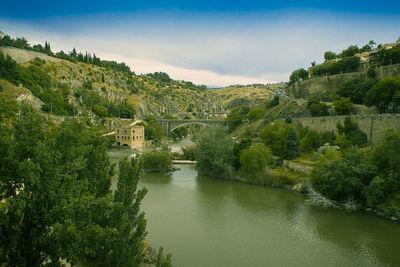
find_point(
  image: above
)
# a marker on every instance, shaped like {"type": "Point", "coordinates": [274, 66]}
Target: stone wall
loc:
{"type": "Point", "coordinates": [374, 126]}
{"type": "Point", "coordinates": [333, 82]}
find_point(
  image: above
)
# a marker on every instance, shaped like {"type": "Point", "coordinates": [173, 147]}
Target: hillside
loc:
{"type": "Point", "coordinates": [75, 87]}
{"type": "Point", "coordinates": [251, 95]}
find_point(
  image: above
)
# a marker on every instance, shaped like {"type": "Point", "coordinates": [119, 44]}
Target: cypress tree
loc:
{"type": "Point", "coordinates": [292, 145]}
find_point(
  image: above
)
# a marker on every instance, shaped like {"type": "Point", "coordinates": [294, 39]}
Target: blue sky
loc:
{"type": "Point", "coordinates": [208, 42]}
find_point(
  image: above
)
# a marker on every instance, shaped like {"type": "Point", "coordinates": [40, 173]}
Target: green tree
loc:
{"type": "Point", "coordinates": [316, 108]}
{"type": "Point", "coordinates": [356, 89]}
{"type": "Point", "coordinates": [386, 155]}
{"type": "Point", "coordinates": [311, 141]}
{"type": "Point", "coordinates": [274, 137]}
{"type": "Point", "coordinates": [346, 177]}
{"type": "Point", "coordinates": [237, 148]}
{"type": "Point", "coordinates": [329, 55]}
{"type": "Point", "coordinates": [292, 149]}
{"type": "Point", "coordinates": [213, 151]}
{"type": "Point", "coordinates": [343, 106]}
{"type": "Point", "coordinates": [352, 132]}
{"type": "Point", "coordinates": [157, 161]}
{"type": "Point", "coordinates": [254, 161]}
{"type": "Point", "coordinates": [385, 95]}
{"type": "Point", "coordinates": [56, 198]}
{"type": "Point", "coordinates": [298, 76]}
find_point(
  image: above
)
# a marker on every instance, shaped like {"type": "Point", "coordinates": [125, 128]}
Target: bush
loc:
{"type": "Point", "coordinates": [316, 108]}
{"type": "Point", "coordinates": [386, 156]}
{"type": "Point", "coordinates": [311, 141]}
{"type": "Point", "coordinates": [274, 137]}
{"type": "Point", "coordinates": [356, 89]}
{"type": "Point", "coordinates": [244, 143]}
{"type": "Point", "coordinates": [157, 161]}
{"type": "Point", "coordinates": [189, 152]}
{"type": "Point", "coordinates": [343, 106]}
{"type": "Point", "coordinates": [347, 177]}
{"type": "Point", "coordinates": [385, 95]}
{"type": "Point", "coordinates": [352, 132]}
{"type": "Point", "coordinates": [254, 161]}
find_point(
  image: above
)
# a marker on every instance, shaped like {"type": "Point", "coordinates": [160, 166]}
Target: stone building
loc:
{"type": "Point", "coordinates": [131, 136]}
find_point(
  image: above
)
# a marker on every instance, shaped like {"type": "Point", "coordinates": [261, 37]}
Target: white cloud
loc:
{"type": "Point", "coordinates": [212, 49]}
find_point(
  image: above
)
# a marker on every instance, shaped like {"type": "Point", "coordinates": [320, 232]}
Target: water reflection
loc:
{"type": "Point", "coordinates": [211, 222]}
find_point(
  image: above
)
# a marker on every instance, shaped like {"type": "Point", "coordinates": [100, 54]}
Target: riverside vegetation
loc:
{"type": "Point", "coordinates": [56, 203]}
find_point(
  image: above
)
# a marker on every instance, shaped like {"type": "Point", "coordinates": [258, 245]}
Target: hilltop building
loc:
{"type": "Point", "coordinates": [2, 34]}
{"type": "Point", "coordinates": [131, 136]}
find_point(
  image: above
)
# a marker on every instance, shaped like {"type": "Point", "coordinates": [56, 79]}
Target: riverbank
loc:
{"type": "Point", "coordinates": [287, 178]}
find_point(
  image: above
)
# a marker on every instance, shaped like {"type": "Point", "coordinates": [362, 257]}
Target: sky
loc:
{"type": "Point", "coordinates": [216, 43]}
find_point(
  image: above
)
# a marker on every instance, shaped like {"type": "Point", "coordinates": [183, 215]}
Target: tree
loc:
{"type": "Point", "coordinates": [352, 132]}
{"type": "Point", "coordinates": [311, 141]}
{"type": "Point", "coordinates": [346, 177]}
{"type": "Point", "coordinates": [316, 108]}
{"type": "Point", "coordinates": [56, 198]}
{"type": "Point", "coordinates": [356, 89]}
{"type": "Point", "coordinates": [329, 55]}
{"type": "Point", "coordinates": [157, 161]}
{"type": "Point", "coordinates": [386, 155]}
{"type": "Point", "coordinates": [298, 76]}
{"type": "Point", "coordinates": [292, 149]}
{"type": "Point", "coordinates": [343, 106]}
{"type": "Point", "coordinates": [237, 148]}
{"type": "Point", "coordinates": [254, 161]}
{"type": "Point", "coordinates": [385, 95]}
{"type": "Point", "coordinates": [274, 137]}
{"type": "Point", "coordinates": [213, 151]}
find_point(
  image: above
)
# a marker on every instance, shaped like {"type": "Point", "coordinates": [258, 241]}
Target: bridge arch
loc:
{"type": "Point", "coordinates": [171, 125]}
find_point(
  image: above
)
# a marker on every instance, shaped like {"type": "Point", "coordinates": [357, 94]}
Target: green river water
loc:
{"type": "Point", "coordinates": [211, 222]}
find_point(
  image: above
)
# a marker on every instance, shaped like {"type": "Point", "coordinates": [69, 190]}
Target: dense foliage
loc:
{"type": "Point", "coordinates": [56, 198]}
{"type": "Point", "coordinates": [214, 151]}
{"type": "Point", "coordinates": [348, 177]}
{"type": "Point", "coordinates": [317, 108]}
{"type": "Point", "coordinates": [254, 161]}
{"type": "Point", "coordinates": [157, 161]}
{"type": "Point", "coordinates": [298, 76]}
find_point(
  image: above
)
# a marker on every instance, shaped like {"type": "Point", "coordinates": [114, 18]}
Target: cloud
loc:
{"type": "Point", "coordinates": [212, 48]}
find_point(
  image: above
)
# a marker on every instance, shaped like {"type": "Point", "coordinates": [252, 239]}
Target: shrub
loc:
{"type": "Point", "coordinates": [157, 161]}
{"type": "Point", "coordinates": [347, 177]}
{"type": "Point", "coordinates": [343, 106]}
{"type": "Point", "coordinates": [311, 141]}
{"type": "Point", "coordinates": [254, 161]}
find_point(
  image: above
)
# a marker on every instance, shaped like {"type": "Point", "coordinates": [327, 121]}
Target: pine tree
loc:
{"type": "Point", "coordinates": [292, 145]}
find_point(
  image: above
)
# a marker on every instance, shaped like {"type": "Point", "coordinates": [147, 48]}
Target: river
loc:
{"type": "Point", "coordinates": [211, 222]}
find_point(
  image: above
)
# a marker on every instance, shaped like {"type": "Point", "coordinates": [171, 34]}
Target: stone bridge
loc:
{"type": "Point", "coordinates": [170, 125]}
